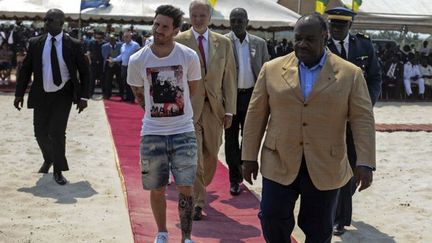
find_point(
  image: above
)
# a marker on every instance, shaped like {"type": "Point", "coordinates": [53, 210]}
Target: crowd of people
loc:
{"type": "Point", "coordinates": [309, 104]}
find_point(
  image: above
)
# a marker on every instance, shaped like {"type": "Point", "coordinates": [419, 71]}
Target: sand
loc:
{"type": "Point", "coordinates": [92, 208]}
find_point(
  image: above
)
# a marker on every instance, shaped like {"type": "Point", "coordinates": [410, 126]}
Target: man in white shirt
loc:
{"type": "Point", "coordinates": [412, 75]}
{"type": "Point", "coordinates": [163, 77]}
{"type": "Point", "coordinates": [250, 53]}
{"type": "Point", "coordinates": [426, 72]}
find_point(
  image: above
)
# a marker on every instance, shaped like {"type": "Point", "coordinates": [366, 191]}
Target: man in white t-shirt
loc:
{"type": "Point", "coordinates": [163, 76]}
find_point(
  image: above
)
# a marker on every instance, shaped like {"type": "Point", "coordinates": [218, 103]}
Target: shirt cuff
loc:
{"type": "Point", "coordinates": [228, 114]}
{"type": "Point", "coordinates": [85, 99]}
{"type": "Point", "coordinates": [365, 165]}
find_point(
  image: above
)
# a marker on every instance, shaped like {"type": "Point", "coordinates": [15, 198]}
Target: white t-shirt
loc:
{"type": "Point", "coordinates": [168, 108]}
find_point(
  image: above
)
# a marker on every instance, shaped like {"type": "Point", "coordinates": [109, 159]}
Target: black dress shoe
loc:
{"type": "Point", "coordinates": [338, 229]}
{"type": "Point", "coordinates": [197, 213]}
{"type": "Point", "coordinates": [59, 178]}
{"type": "Point", "coordinates": [235, 189]}
{"type": "Point", "coordinates": [45, 167]}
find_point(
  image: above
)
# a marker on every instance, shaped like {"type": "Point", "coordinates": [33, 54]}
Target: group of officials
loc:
{"type": "Point", "coordinates": [314, 107]}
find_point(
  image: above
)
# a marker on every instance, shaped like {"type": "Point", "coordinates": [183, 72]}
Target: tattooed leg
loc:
{"type": "Point", "coordinates": [185, 207]}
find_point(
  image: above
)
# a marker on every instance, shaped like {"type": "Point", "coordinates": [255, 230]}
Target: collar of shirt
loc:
{"type": "Point", "coordinates": [196, 34]}
{"type": "Point", "coordinates": [308, 76]}
{"type": "Point", "coordinates": [237, 39]}
{"type": "Point", "coordinates": [319, 65]}
{"type": "Point", "coordinates": [346, 44]}
{"type": "Point", "coordinates": [58, 37]}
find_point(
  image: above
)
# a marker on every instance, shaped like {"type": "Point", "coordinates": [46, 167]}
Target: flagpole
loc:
{"type": "Point", "coordinates": [299, 7]}
{"type": "Point", "coordinates": [352, 5]}
{"type": "Point", "coordinates": [79, 25]}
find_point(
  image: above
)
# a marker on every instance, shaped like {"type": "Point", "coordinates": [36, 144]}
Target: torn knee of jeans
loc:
{"type": "Point", "coordinates": [191, 153]}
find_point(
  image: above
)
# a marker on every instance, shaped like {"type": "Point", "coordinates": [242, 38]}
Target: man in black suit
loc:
{"type": "Point", "coordinates": [54, 60]}
{"type": "Point", "coordinates": [357, 49]}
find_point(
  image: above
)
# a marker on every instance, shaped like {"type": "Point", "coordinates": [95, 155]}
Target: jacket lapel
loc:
{"type": "Point", "coordinates": [213, 45]}
{"type": "Point", "coordinates": [39, 50]}
{"type": "Point", "coordinates": [291, 76]}
{"type": "Point", "coordinates": [66, 50]}
{"type": "Point", "coordinates": [325, 78]}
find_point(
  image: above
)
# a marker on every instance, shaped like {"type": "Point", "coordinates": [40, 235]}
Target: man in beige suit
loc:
{"type": "Point", "coordinates": [215, 101]}
{"type": "Point", "coordinates": [304, 99]}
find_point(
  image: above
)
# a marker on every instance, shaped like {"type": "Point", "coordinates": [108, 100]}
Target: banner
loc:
{"type": "Point", "coordinates": [212, 3]}
{"type": "Point", "coordinates": [94, 4]}
{"type": "Point", "coordinates": [320, 6]}
{"type": "Point", "coordinates": [356, 5]}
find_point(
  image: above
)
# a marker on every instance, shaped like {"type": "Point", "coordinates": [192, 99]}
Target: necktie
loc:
{"type": "Point", "coordinates": [343, 51]}
{"type": "Point", "coordinates": [201, 50]}
{"type": "Point", "coordinates": [55, 68]}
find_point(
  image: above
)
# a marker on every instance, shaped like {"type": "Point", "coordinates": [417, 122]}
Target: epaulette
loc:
{"type": "Point", "coordinates": [364, 36]}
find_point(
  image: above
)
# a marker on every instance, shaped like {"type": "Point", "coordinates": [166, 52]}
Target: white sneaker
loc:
{"type": "Point", "coordinates": [188, 241]}
{"type": "Point", "coordinates": [161, 237]}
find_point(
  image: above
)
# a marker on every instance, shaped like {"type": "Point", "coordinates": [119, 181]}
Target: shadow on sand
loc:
{"type": "Point", "coordinates": [67, 194]}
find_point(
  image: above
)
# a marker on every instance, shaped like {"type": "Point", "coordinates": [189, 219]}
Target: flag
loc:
{"type": "Point", "coordinates": [212, 3]}
{"type": "Point", "coordinates": [320, 6]}
{"type": "Point", "coordinates": [356, 5]}
{"type": "Point", "coordinates": [94, 3]}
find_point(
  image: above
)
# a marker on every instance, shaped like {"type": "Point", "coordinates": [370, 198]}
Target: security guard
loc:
{"type": "Point", "coordinates": [357, 49]}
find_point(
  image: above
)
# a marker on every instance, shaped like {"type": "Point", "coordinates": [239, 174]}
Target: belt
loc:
{"type": "Point", "coordinates": [240, 91]}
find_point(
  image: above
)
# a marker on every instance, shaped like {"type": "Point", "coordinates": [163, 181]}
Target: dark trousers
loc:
{"type": "Point", "coordinates": [129, 94]}
{"type": "Point", "coordinates": [317, 210]}
{"type": "Point", "coordinates": [110, 72]}
{"type": "Point", "coordinates": [344, 203]}
{"type": "Point", "coordinates": [96, 73]}
{"type": "Point", "coordinates": [232, 145]}
{"type": "Point", "coordinates": [50, 119]}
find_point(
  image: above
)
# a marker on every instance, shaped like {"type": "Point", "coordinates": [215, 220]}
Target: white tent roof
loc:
{"type": "Point", "coordinates": [263, 14]}
{"type": "Point", "coordinates": [415, 15]}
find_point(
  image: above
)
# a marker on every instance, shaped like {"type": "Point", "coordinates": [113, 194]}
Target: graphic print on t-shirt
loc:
{"type": "Point", "coordinates": [166, 91]}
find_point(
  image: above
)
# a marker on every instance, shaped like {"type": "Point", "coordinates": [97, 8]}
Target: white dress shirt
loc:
{"type": "Point", "coordinates": [245, 74]}
{"type": "Point", "coordinates": [205, 43]}
{"type": "Point", "coordinates": [48, 82]}
{"type": "Point", "coordinates": [346, 45]}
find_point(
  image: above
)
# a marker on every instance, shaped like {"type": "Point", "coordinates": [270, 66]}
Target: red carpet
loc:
{"type": "Point", "coordinates": [226, 218]}
{"type": "Point", "coordinates": [403, 127]}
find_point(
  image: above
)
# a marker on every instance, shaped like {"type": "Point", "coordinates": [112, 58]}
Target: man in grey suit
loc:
{"type": "Point", "coordinates": [250, 53]}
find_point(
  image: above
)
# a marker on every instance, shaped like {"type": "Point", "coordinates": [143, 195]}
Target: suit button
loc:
{"type": "Point", "coordinates": [304, 124]}
{"type": "Point", "coordinates": [301, 143]}
{"type": "Point", "coordinates": [305, 105]}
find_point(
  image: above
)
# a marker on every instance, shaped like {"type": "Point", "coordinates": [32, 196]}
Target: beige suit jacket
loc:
{"type": "Point", "coordinates": [315, 127]}
{"type": "Point", "coordinates": [220, 81]}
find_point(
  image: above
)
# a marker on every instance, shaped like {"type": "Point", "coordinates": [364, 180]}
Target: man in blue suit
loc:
{"type": "Point", "coordinates": [111, 69]}
{"type": "Point", "coordinates": [357, 49]}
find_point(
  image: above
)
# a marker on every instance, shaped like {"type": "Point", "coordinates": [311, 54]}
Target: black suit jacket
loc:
{"type": "Point", "coordinates": [73, 55]}
{"type": "Point", "coordinates": [362, 54]}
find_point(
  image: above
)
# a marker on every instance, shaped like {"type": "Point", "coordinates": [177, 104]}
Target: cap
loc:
{"type": "Point", "coordinates": [340, 13]}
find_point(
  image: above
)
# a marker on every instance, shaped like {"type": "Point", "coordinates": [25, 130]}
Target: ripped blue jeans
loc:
{"type": "Point", "coordinates": [161, 153]}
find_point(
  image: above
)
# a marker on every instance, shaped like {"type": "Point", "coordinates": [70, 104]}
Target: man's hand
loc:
{"type": "Point", "coordinates": [250, 168]}
{"type": "Point", "coordinates": [18, 102]}
{"type": "Point", "coordinates": [227, 121]}
{"type": "Point", "coordinates": [82, 104]}
{"type": "Point", "coordinates": [363, 177]}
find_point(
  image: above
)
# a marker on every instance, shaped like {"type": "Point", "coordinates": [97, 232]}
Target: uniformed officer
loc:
{"type": "Point", "coordinates": [357, 49]}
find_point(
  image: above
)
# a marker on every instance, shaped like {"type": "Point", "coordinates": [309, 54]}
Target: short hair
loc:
{"type": "Point", "coordinates": [240, 10]}
{"type": "Point", "coordinates": [200, 2]}
{"type": "Point", "coordinates": [175, 13]}
{"type": "Point", "coordinates": [318, 17]}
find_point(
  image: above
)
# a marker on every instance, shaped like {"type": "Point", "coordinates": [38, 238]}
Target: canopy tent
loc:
{"type": "Point", "coordinates": [411, 15]}
{"type": "Point", "coordinates": [263, 14]}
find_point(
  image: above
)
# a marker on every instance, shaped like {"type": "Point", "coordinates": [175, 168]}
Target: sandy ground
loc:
{"type": "Point", "coordinates": [90, 208]}
{"type": "Point", "coordinates": [398, 206]}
